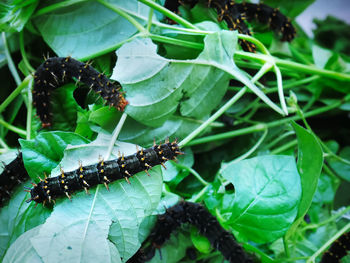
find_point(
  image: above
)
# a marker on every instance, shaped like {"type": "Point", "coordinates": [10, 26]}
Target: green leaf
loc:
{"type": "Point", "coordinates": [173, 250]}
{"type": "Point", "coordinates": [22, 250]}
{"type": "Point", "coordinates": [89, 28]}
{"type": "Point", "coordinates": [15, 14]}
{"type": "Point", "coordinates": [43, 153]}
{"type": "Point", "coordinates": [17, 217]}
{"type": "Point", "coordinates": [310, 161]}
{"type": "Point", "coordinates": [196, 86]}
{"type": "Point", "coordinates": [267, 195]}
{"type": "Point", "coordinates": [64, 108]}
{"type": "Point", "coordinates": [200, 242]}
{"type": "Point", "coordinates": [341, 168]}
{"type": "Point", "coordinates": [105, 224]}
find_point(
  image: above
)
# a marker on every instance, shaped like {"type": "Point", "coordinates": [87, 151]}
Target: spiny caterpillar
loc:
{"type": "Point", "coordinates": [207, 224]}
{"type": "Point", "coordinates": [103, 172]}
{"type": "Point", "coordinates": [235, 14]}
{"type": "Point", "coordinates": [13, 174]}
{"type": "Point", "coordinates": [56, 71]}
{"type": "Point", "coordinates": [337, 250]}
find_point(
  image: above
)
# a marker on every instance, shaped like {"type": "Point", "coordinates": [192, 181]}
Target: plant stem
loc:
{"type": "Point", "coordinates": [251, 150]}
{"type": "Point", "coordinates": [168, 13]}
{"type": "Point", "coordinates": [15, 93]}
{"type": "Point", "coordinates": [284, 147]}
{"type": "Point", "coordinates": [150, 17]}
{"type": "Point", "coordinates": [193, 172]}
{"type": "Point", "coordinates": [3, 144]}
{"type": "Point", "coordinates": [120, 12]}
{"type": "Point", "coordinates": [23, 53]}
{"type": "Point", "coordinates": [174, 41]}
{"type": "Point", "coordinates": [29, 110]}
{"type": "Point", "coordinates": [328, 243]}
{"type": "Point", "coordinates": [54, 7]}
{"type": "Point", "coordinates": [10, 63]}
{"type": "Point", "coordinates": [13, 128]}
{"type": "Point", "coordinates": [224, 108]}
{"type": "Point", "coordinates": [115, 135]}
{"type": "Point", "coordinates": [199, 195]}
{"type": "Point", "coordinates": [262, 126]}
{"type": "Point", "coordinates": [212, 118]}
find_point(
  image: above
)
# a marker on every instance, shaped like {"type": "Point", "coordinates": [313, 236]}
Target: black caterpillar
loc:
{"type": "Point", "coordinates": [207, 224]}
{"type": "Point", "coordinates": [235, 14]}
{"type": "Point", "coordinates": [14, 174]}
{"type": "Point", "coordinates": [103, 172]}
{"type": "Point", "coordinates": [56, 71]}
{"type": "Point", "coordinates": [337, 250]}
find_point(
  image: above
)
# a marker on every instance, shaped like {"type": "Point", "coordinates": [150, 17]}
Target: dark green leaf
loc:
{"type": "Point", "coordinates": [14, 15]}
{"type": "Point", "coordinates": [43, 153]}
{"type": "Point", "coordinates": [267, 195]}
{"type": "Point", "coordinates": [340, 167]}
{"type": "Point", "coordinates": [88, 28]}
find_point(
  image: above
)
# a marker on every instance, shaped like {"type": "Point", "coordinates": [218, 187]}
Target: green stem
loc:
{"type": "Point", "coordinates": [3, 144]}
{"type": "Point", "coordinates": [120, 12]}
{"type": "Point", "coordinates": [328, 243]}
{"type": "Point", "coordinates": [198, 196]}
{"type": "Point", "coordinates": [115, 135]}
{"type": "Point", "coordinates": [290, 65]}
{"type": "Point", "coordinates": [224, 108]}
{"type": "Point", "coordinates": [29, 111]}
{"type": "Point", "coordinates": [168, 13]}
{"type": "Point", "coordinates": [280, 88]}
{"type": "Point", "coordinates": [54, 7]}
{"type": "Point", "coordinates": [278, 139]}
{"type": "Point", "coordinates": [193, 172]}
{"type": "Point", "coordinates": [264, 258]}
{"type": "Point", "coordinates": [251, 150]}
{"type": "Point", "coordinates": [150, 17]}
{"type": "Point", "coordinates": [10, 63]}
{"type": "Point", "coordinates": [23, 53]}
{"type": "Point", "coordinates": [294, 84]}
{"type": "Point", "coordinates": [286, 247]}
{"type": "Point", "coordinates": [15, 93]}
{"type": "Point", "coordinates": [174, 41]}
{"type": "Point", "coordinates": [329, 220]}
{"type": "Point", "coordinates": [212, 118]}
{"type": "Point", "coordinates": [284, 147]}
{"type": "Point", "coordinates": [12, 128]}
{"type": "Point", "coordinates": [262, 126]}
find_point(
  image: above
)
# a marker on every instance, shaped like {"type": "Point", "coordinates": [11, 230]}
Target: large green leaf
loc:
{"type": "Point", "coordinates": [85, 29]}
{"type": "Point", "coordinates": [103, 226]}
{"type": "Point", "coordinates": [22, 250]}
{"type": "Point", "coordinates": [267, 195]}
{"type": "Point", "coordinates": [196, 86]}
{"type": "Point", "coordinates": [310, 161]}
{"type": "Point", "coordinates": [43, 153]}
{"type": "Point", "coordinates": [135, 132]}
{"type": "Point", "coordinates": [14, 14]}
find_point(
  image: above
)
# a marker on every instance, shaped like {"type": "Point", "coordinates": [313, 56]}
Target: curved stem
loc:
{"type": "Point", "coordinates": [15, 93]}
{"type": "Point", "coordinates": [10, 63]}
{"type": "Point", "coordinates": [29, 111]}
{"type": "Point", "coordinates": [328, 243]}
{"type": "Point", "coordinates": [54, 7]}
{"type": "Point", "coordinates": [212, 118]}
{"type": "Point", "coordinates": [123, 14]}
{"type": "Point", "coordinates": [115, 135]}
{"type": "Point", "coordinates": [169, 14]}
{"type": "Point", "coordinates": [262, 126]}
{"type": "Point", "coordinates": [23, 52]}
{"type": "Point", "coordinates": [193, 172]}
{"type": "Point", "coordinates": [12, 128]}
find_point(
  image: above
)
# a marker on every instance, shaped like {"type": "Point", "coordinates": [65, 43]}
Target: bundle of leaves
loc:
{"type": "Point", "coordinates": [265, 134]}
